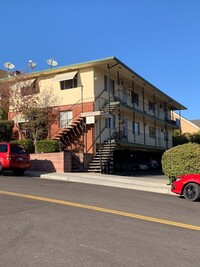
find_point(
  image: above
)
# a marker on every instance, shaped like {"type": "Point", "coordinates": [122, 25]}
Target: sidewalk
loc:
{"type": "Point", "coordinates": [150, 183]}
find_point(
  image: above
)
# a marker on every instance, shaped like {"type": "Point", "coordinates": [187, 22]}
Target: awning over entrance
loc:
{"type": "Point", "coordinates": [65, 76]}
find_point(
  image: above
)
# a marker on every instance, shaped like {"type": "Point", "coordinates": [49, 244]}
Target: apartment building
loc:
{"type": "Point", "coordinates": [109, 116]}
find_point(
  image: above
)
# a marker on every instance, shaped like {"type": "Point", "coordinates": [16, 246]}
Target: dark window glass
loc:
{"type": "Point", "coordinates": [18, 149]}
{"type": "Point", "coordinates": [152, 132]}
{"type": "Point", "coordinates": [3, 148]}
{"type": "Point", "coordinates": [68, 84]}
{"type": "Point", "coordinates": [151, 106]}
{"type": "Point", "coordinates": [135, 98]}
{"type": "Point", "coordinates": [136, 128]}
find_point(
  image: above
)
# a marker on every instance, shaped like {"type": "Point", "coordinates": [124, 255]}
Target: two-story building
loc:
{"type": "Point", "coordinates": [187, 126]}
{"type": "Point", "coordinates": [109, 116]}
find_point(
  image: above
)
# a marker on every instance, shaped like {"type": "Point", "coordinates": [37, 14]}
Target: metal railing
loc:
{"type": "Point", "coordinates": [143, 107]}
{"type": "Point", "coordinates": [127, 135]}
{"type": "Point", "coordinates": [94, 142]}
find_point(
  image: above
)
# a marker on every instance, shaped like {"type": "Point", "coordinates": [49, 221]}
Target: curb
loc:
{"type": "Point", "coordinates": [141, 183]}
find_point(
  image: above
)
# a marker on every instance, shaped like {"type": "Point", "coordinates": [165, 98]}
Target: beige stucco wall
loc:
{"type": "Point", "coordinates": [70, 96]}
{"type": "Point", "coordinates": [186, 125]}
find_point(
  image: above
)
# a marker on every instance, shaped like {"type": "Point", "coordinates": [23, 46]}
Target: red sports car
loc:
{"type": "Point", "coordinates": [187, 185]}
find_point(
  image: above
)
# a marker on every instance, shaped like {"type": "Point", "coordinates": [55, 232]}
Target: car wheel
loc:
{"type": "Point", "coordinates": [18, 172]}
{"type": "Point", "coordinates": [191, 192]}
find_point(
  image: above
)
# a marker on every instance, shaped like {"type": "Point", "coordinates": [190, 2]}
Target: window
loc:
{"type": "Point", "coordinates": [135, 98]}
{"type": "Point", "coordinates": [152, 132]}
{"type": "Point", "coordinates": [136, 128]}
{"type": "Point", "coordinates": [110, 123]}
{"type": "Point", "coordinates": [15, 149]}
{"type": "Point", "coordinates": [68, 84]}
{"type": "Point", "coordinates": [111, 85]}
{"type": "Point", "coordinates": [151, 106]}
{"type": "Point", "coordinates": [65, 118]}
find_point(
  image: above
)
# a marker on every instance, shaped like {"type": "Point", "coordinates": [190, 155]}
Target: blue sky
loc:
{"type": "Point", "coordinates": [158, 39]}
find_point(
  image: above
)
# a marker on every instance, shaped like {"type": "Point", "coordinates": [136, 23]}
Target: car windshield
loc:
{"type": "Point", "coordinates": [15, 149]}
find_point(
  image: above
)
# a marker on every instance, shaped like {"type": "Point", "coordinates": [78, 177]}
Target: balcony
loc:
{"type": "Point", "coordinates": [127, 137]}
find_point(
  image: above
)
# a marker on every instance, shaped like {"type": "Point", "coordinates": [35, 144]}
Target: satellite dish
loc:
{"type": "Point", "coordinates": [9, 66]}
{"type": "Point", "coordinates": [52, 62]}
{"type": "Point", "coordinates": [31, 64]}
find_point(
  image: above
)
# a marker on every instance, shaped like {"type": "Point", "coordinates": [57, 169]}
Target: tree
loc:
{"type": "Point", "coordinates": [6, 128]}
{"type": "Point", "coordinates": [23, 93]}
{"type": "Point", "coordinates": [40, 116]}
{"type": "Point", "coordinates": [25, 98]}
{"type": "Point", "coordinates": [5, 93]}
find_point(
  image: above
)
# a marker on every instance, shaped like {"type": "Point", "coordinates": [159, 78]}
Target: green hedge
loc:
{"type": "Point", "coordinates": [180, 139]}
{"type": "Point", "coordinates": [182, 159]}
{"type": "Point", "coordinates": [47, 146]}
{"type": "Point", "coordinates": [27, 144]}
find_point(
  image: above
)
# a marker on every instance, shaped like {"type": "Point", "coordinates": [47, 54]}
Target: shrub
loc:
{"type": "Point", "coordinates": [180, 139]}
{"type": "Point", "coordinates": [47, 146]}
{"type": "Point", "coordinates": [27, 144]}
{"type": "Point", "coordinates": [182, 159]}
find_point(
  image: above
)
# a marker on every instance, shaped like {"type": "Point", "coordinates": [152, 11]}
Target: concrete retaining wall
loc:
{"type": "Point", "coordinates": [51, 162]}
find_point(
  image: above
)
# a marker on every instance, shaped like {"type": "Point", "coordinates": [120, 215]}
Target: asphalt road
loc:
{"type": "Point", "coordinates": [75, 225]}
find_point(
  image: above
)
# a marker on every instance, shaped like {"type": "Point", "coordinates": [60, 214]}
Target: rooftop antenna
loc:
{"type": "Point", "coordinates": [52, 63]}
{"type": "Point", "coordinates": [31, 64]}
{"type": "Point", "coordinates": [9, 66]}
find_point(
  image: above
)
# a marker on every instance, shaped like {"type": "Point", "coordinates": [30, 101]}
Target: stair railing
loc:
{"type": "Point", "coordinates": [95, 139]}
{"type": "Point", "coordinates": [67, 123]}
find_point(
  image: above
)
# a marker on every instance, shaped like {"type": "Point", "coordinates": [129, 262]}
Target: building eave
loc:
{"type": "Point", "coordinates": [174, 105]}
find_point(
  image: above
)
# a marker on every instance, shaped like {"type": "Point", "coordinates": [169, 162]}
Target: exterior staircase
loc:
{"type": "Point", "coordinates": [102, 162]}
{"type": "Point", "coordinates": [69, 136]}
